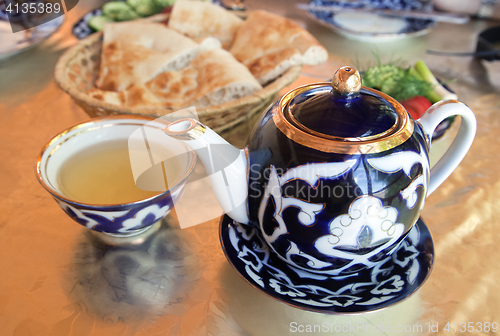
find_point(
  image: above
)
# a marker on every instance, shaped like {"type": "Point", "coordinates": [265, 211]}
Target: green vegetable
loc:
{"type": "Point", "coordinates": [438, 92]}
{"type": "Point", "coordinates": [395, 81]}
{"type": "Point", "coordinates": [144, 7]}
{"type": "Point", "coordinates": [415, 73]}
{"type": "Point", "coordinates": [410, 86]}
{"type": "Point", "coordinates": [97, 22]}
{"type": "Point", "coordinates": [385, 75]}
{"type": "Point", "coordinates": [119, 11]}
{"type": "Point", "coordinates": [403, 84]}
{"type": "Point", "coordinates": [164, 3]}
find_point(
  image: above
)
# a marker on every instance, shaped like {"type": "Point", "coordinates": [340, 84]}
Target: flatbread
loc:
{"type": "Point", "coordinates": [221, 79]}
{"type": "Point", "coordinates": [135, 52]}
{"type": "Point", "coordinates": [201, 19]}
{"type": "Point", "coordinates": [214, 77]}
{"type": "Point", "coordinates": [173, 89]}
{"type": "Point", "coordinates": [273, 64]}
{"type": "Point", "coordinates": [265, 43]}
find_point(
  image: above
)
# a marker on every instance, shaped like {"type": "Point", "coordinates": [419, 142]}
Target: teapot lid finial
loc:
{"type": "Point", "coordinates": [346, 82]}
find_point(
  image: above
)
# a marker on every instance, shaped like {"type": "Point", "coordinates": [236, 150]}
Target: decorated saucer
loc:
{"type": "Point", "coordinates": [394, 279]}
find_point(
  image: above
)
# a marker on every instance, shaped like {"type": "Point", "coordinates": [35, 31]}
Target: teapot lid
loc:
{"type": "Point", "coordinates": [343, 117]}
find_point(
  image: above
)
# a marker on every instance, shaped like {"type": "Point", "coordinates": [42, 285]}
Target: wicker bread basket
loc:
{"type": "Point", "coordinates": [78, 68]}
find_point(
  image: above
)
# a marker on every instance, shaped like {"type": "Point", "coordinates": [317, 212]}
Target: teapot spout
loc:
{"type": "Point", "coordinates": [226, 165]}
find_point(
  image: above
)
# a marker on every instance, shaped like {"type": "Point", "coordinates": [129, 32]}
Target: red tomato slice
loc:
{"type": "Point", "coordinates": [416, 106]}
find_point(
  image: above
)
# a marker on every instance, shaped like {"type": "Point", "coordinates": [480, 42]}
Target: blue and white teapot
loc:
{"type": "Point", "coordinates": [334, 175]}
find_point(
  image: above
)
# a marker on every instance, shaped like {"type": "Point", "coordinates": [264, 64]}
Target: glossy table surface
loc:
{"type": "Point", "coordinates": [59, 279]}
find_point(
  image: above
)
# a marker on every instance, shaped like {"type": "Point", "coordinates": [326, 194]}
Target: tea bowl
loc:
{"type": "Point", "coordinates": [117, 219]}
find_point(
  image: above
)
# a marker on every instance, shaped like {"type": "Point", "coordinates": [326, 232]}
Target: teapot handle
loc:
{"type": "Point", "coordinates": [460, 145]}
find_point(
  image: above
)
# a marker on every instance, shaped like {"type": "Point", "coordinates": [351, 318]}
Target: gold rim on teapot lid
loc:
{"type": "Point", "coordinates": [346, 85]}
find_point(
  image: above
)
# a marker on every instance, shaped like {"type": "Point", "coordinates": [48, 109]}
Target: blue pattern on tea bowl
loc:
{"type": "Point", "coordinates": [124, 220]}
{"type": "Point", "coordinates": [120, 220]}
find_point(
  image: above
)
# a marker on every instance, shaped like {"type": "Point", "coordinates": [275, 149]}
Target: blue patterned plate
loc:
{"type": "Point", "coordinates": [81, 28]}
{"type": "Point", "coordinates": [410, 27]}
{"type": "Point", "coordinates": [394, 279]}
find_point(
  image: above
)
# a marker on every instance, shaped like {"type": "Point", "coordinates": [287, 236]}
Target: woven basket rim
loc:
{"type": "Point", "coordinates": [63, 82]}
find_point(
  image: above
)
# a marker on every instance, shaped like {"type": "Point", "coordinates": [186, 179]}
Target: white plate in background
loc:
{"type": "Point", "coordinates": [368, 27]}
